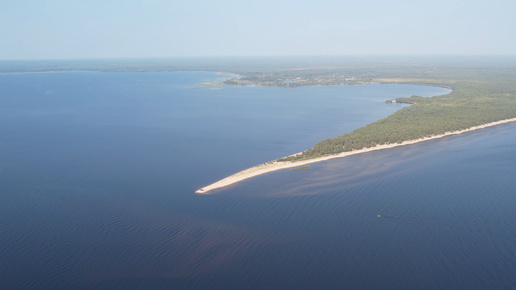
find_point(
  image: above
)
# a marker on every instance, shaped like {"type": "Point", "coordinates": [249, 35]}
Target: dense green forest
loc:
{"type": "Point", "coordinates": [484, 88]}
{"type": "Point", "coordinates": [467, 106]}
{"type": "Point", "coordinates": [480, 95]}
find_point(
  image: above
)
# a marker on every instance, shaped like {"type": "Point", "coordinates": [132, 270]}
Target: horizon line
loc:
{"type": "Point", "coordinates": [260, 56]}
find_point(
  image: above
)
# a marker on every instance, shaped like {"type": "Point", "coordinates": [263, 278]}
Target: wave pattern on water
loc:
{"type": "Point", "coordinates": [96, 190]}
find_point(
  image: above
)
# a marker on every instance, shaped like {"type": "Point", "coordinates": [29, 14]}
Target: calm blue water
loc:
{"type": "Point", "coordinates": [98, 170]}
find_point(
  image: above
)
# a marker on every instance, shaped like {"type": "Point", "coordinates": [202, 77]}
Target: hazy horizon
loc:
{"type": "Point", "coordinates": [56, 29]}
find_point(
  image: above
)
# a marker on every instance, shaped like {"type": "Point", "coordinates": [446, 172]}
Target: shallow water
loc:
{"type": "Point", "coordinates": [98, 171]}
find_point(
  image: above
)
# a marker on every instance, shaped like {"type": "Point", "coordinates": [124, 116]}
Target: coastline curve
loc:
{"type": "Point", "coordinates": [278, 165]}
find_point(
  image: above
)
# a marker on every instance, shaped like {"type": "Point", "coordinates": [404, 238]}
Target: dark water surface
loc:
{"type": "Point", "coordinates": [98, 170]}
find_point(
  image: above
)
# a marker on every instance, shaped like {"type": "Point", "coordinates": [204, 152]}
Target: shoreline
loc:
{"type": "Point", "coordinates": [276, 165]}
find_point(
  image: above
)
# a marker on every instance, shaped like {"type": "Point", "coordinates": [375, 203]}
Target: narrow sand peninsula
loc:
{"type": "Point", "coordinates": [277, 165]}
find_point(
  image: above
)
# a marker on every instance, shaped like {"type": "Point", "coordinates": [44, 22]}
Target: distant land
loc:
{"type": "Point", "coordinates": [483, 91]}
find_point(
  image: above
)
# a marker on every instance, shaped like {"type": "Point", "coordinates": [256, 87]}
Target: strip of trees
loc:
{"type": "Point", "coordinates": [470, 104]}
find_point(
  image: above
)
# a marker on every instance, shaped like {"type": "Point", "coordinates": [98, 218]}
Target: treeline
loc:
{"type": "Point", "coordinates": [484, 91]}
{"type": "Point", "coordinates": [469, 105]}
{"type": "Point", "coordinates": [293, 78]}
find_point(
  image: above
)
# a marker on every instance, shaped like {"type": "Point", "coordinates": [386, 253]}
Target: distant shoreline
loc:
{"type": "Point", "coordinates": [278, 165]}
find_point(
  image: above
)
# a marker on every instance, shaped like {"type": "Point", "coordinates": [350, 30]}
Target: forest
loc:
{"type": "Point", "coordinates": [480, 95]}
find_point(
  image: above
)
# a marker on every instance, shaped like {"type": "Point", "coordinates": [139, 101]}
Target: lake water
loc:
{"type": "Point", "coordinates": [98, 173]}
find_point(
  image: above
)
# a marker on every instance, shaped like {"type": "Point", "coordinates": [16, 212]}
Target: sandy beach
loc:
{"type": "Point", "coordinates": [276, 165]}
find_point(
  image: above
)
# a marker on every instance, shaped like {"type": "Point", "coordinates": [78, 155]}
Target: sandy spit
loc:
{"type": "Point", "coordinates": [276, 165]}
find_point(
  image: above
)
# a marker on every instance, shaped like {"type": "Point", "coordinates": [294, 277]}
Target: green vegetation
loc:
{"type": "Point", "coordinates": [478, 97]}
{"type": "Point", "coordinates": [484, 88]}
{"type": "Point", "coordinates": [467, 106]}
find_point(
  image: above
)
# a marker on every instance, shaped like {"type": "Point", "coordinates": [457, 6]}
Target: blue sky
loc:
{"type": "Point", "coordinates": [53, 29]}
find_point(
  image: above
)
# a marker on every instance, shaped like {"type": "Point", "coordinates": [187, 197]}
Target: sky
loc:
{"type": "Point", "coordinates": [64, 29]}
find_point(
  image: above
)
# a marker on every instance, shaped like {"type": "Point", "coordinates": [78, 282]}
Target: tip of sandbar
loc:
{"type": "Point", "coordinates": [200, 191]}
